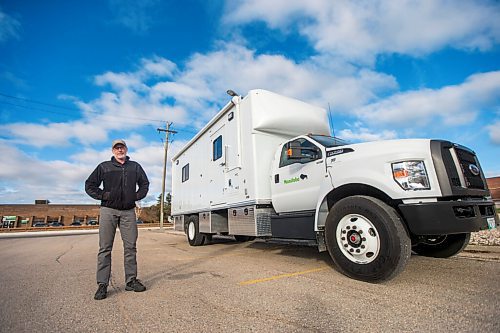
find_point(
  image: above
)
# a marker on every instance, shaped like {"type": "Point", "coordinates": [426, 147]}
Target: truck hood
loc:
{"type": "Point", "coordinates": [370, 164]}
{"type": "Point", "coordinates": [394, 149]}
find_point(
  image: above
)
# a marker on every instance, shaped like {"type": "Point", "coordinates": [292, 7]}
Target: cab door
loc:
{"type": "Point", "coordinates": [297, 176]}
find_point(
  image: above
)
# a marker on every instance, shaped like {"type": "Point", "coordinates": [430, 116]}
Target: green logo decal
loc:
{"type": "Point", "coordinates": [292, 180]}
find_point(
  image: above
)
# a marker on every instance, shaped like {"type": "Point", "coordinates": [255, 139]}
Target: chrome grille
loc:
{"type": "Point", "coordinates": [466, 159]}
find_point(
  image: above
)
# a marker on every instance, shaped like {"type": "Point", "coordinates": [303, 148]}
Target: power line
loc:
{"type": "Point", "coordinates": [73, 109]}
{"type": "Point", "coordinates": [64, 108]}
{"type": "Point", "coordinates": [69, 115]}
{"type": "Point", "coordinates": [34, 109]}
{"type": "Point", "coordinates": [38, 102]}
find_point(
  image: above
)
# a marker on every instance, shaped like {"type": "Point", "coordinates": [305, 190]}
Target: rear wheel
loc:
{"type": "Point", "coordinates": [443, 246]}
{"type": "Point", "coordinates": [208, 238]}
{"type": "Point", "coordinates": [193, 232]}
{"type": "Point", "coordinates": [366, 239]}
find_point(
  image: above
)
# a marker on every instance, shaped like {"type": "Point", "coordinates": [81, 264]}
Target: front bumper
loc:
{"type": "Point", "coordinates": [449, 217]}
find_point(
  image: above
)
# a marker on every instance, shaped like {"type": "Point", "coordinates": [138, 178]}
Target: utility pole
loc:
{"type": "Point", "coordinates": [162, 202]}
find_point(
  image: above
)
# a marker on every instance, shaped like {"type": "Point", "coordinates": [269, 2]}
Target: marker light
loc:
{"type": "Point", "coordinates": [411, 175]}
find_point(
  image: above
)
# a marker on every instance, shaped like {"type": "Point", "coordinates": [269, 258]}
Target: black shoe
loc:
{"type": "Point", "coordinates": [101, 292]}
{"type": "Point", "coordinates": [135, 285]}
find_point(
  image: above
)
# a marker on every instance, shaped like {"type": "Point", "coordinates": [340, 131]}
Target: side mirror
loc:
{"type": "Point", "coordinates": [296, 152]}
{"type": "Point", "coordinates": [293, 152]}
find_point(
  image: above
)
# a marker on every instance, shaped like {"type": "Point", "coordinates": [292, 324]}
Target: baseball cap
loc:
{"type": "Point", "coordinates": [118, 141]}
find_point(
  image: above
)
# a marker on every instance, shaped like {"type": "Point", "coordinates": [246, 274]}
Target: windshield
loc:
{"type": "Point", "coordinates": [328, 141]}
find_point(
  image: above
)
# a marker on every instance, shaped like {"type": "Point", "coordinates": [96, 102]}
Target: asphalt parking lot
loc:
{"type": "Point", "coordinates": [48, 283]}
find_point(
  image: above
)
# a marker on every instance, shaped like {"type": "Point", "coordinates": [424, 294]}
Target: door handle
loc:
{"type": "Point", "coordinates": [276, 178]}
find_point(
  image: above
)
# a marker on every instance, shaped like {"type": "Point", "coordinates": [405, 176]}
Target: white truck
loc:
{"type": "Point", "coordinates": [265, 166]}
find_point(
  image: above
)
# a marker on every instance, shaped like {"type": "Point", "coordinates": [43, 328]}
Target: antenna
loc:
{"type": "Point", "coordinates": [330, 119]}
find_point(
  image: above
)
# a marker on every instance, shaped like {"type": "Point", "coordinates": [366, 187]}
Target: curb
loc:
{"type": "Point", "coordinates": [35, 234]}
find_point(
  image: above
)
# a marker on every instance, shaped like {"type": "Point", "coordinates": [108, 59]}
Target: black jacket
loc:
{"type": "Point", "coordinates": [120, 183]}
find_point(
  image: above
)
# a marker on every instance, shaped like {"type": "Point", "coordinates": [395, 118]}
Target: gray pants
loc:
{"type": "Point", "coordinates": [109, 220]}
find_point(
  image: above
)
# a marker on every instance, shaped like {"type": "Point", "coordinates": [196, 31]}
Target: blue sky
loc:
{"type": "Point", "coordinates": [76, 75]}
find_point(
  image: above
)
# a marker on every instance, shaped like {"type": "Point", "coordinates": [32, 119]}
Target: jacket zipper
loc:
{"type": "Point", "coordinates": [123, 186]}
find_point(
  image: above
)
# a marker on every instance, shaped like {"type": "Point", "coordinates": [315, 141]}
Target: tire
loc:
{"type": "Point", "coordinates": [242, 239]}
{"type": "Point", "coordinates": [193, 232]}
{"type": "Point", "coordinates": [444, 246]}
{"type": "Point", "coordinates": [366, 239]}
{"type": "Point", "coordinates": [208, 238]}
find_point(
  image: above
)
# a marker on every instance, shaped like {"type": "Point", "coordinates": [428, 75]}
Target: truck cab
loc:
{"type": "Point", "coordinates": [426, 194]}
{"type": "Point", "coordinates": [298, 173]}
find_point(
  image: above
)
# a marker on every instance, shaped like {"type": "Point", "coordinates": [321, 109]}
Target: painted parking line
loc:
{"type": "Point", "coordinates": [191, 258]}
{"type": "Point", "coordinates": [282, 276]}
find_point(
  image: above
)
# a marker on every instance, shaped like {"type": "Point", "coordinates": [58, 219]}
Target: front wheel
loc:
{"type": "Point", "coordinates": [366, 239]}
{"type": "Point", "coordinates": [195, 238]}
{"type": "Point", "coordinates": [443, 246]}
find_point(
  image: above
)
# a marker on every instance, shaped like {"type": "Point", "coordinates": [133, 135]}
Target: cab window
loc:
{"type": "Point", "coordinates": [308, 152]}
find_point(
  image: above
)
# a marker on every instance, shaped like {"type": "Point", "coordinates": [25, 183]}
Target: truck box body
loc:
{"type": "Point", "coordinates": [247, 135]}
{"type": "Point", "coordinates": [265, 166]}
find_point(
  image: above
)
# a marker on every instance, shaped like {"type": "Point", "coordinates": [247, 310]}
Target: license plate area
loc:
{"type": "Point", "coordinates": [491, 223]}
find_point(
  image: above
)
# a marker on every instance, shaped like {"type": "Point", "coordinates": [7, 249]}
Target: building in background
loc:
{"type": "Point", "coordinates": [44, 213]}
{"type": "Point", "coordinates": [494, 186]}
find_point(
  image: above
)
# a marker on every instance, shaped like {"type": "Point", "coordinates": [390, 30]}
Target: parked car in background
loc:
{"type": "Point", "coordinates": [56, 224]}
{"type": "Point", "coordinates": [39, 225]}
{"type": "Point", "coordinates": [92, 222]}
{"type": "Point", "coordinates": [76, 224]}
{"type": "Point", "coordinates": [139, 222]}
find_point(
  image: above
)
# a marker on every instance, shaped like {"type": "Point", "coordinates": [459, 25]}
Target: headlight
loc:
{"type": "Point", "coordinates": [411, 175]}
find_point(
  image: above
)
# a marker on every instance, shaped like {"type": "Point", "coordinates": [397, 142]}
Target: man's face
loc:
{"type": "Point", "coordinates": [120, 152]}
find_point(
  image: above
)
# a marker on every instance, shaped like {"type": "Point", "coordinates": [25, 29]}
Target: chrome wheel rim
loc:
{"type": "Point", "coordinates": [191, 230]}
{"type": "Point", "coordinates": [358, 239]}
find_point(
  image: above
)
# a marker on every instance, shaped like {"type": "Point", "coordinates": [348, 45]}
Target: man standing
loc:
{"type": "Point", "coordinates": [124, 183]}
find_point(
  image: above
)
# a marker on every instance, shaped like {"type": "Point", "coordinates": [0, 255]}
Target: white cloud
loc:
{"type": "Point", "coordinates": [14, 80]}
{"type": "Point", "coordinates": [38, 179]}
{"type": "Point", "coordinates": [54, 134]}
{"type": "Point", "coordinates": [131, 104]}
{"type": "Point", "coordinates": [154, 67]}
{"type": "Point", "coordinates": [494, 132]}
{"type": "Point", "coordinates": [9, 27]}
{"type": "Point", "coordinates": [134, 15]}
{"type": "Point", "coordinates": [241, 69]}
{"type": "Point", "coordinates": [158, 90]}
{"type": "Point", "coordinates": [365, 134]}
{"type": "Point", "coordinates": [26, 177]}
{"type": "Point", "coordinates": [157, 66]}
{"type": "Point", "coordinates": [119, 80]}
{"type": "Point", "coordinates": [451, 105]}
{"type": "Point", "coordinates": [57, 134]}
{"type": "Point", "coordinates": [200, 87]}
{"type": "Point", "coordinates": [358, 31]}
